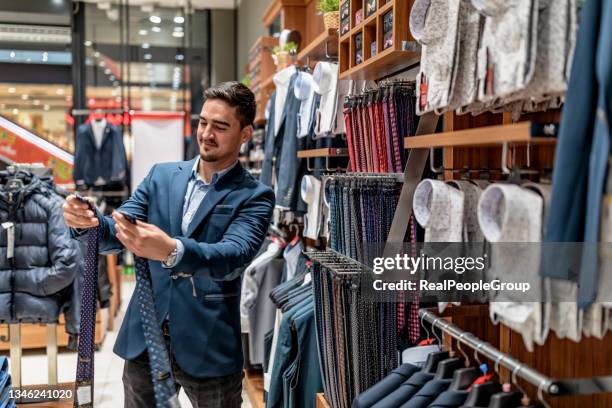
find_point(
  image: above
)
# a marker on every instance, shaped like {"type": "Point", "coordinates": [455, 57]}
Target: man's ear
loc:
{"type": "Point", "coordinates": [246, 133]}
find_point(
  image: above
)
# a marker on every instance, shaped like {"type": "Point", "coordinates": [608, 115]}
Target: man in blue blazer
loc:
{"type": "Point", "coordinates": [205, 219]}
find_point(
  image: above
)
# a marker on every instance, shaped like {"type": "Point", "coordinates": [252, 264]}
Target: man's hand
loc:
{"type": "Point", "coordinates": [144, 240]}
{"type": "Point", "coordinates": [78, 215]}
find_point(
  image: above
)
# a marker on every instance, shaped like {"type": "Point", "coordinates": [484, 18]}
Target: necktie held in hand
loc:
{"type": "Point", "coordinates": [83, 395]}
{"type": "Point", "coordinates": [159, 361]}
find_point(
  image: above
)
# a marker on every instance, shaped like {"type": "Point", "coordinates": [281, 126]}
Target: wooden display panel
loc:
{"type": "Point", "coordinates": [400, 55]}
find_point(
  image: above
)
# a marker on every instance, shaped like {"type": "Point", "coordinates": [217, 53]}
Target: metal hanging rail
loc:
{"type": "Point", "coordinates": [574, 386]}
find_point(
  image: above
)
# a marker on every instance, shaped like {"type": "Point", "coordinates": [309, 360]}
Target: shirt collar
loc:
{"type": "Point", "coordinates": [195, 174]}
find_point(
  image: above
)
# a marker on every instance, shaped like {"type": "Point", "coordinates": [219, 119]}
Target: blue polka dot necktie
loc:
{"type": "Point", "coordinates": [87, 333]}
{"type": "Point", "coordinates": [159, 361]}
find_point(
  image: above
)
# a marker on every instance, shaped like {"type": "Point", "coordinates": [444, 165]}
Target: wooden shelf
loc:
{"type": "Point", "coordinates": [382, 64]}
{"type": "Point", "coordinates": [325, 152]}
{"type": "Point", "coordinates": [316, 49]}
{"type": "Point", "coordinates": [482, 137]}
{"type": "Point", "coordinates": [254, 387]}
{"type": "Point", "coordinates": [321, 402]}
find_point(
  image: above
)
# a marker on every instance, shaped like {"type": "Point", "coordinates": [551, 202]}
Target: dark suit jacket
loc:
{"type": "Point", "coordinates": [225, 234]}
{"type": "Point", "coordinates": [109, 162]}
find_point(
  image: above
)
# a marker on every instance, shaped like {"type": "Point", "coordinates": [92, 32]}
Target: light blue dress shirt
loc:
{"type": "Point", "coordinates": [197, 189]}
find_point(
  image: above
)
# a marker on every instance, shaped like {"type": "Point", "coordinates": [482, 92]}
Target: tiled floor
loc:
{"type": "Point", "coordinates": [108, 367]}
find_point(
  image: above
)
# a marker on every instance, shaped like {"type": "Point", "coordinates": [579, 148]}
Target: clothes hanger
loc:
{"type": "Point", "coordinates": [506, 398]}
{"type": "Point", "coordinates": [464, 377]}
{"type": "Point", "coordinates": [433, 359]}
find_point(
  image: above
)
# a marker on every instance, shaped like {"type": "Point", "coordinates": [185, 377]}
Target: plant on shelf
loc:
{"type": "Point", "coordinates": [331, 13]}
{"type": "Point", "coordinates": [246, 81]}
{"type": "Point", "coordinates": [285, 56]}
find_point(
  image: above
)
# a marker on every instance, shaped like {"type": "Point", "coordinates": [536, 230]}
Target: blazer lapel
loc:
{"type": "Point", "coordinates": [222, 188]}
{"type": "Point", "coordinates": [176, 198]}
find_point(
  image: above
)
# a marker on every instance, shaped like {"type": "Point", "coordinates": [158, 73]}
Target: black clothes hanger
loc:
{"type": "Point", "coordinates": [446, 368]}
{"type": "Point", "coordinates": [506, 400]}
{"type": "Point", "coordinates": [481, 394]}
{"type": "Point", "coordinates": [433, 359]}
{"type": "Point", "coordinates": [464, 377]}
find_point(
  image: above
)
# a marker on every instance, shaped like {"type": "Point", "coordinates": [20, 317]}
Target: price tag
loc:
{"type": "Point", "coordinates": [84, 394]}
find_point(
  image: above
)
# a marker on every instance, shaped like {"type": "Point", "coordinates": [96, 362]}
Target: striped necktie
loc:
{"type": "Point", "coordinates": [87, 334]}
{"type": "Point", "coordinates": [159, 361]}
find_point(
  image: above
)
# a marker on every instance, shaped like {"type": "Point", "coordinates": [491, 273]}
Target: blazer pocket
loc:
{"type": "Point", "coordinates": [223, 209]}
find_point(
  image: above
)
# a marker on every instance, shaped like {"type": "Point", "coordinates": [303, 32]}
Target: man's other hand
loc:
{"type": "Point", "coordinates": [143, 239]}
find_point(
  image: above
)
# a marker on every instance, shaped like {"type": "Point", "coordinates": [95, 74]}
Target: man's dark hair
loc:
{"type": "Point", "coordinates": [236, 95]}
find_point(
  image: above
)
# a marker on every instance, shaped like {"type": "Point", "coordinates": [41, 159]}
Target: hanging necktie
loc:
{"type": "Point", "coordinates": [159, 361]}
{"type": "Point", "coordinates": [87, 333]}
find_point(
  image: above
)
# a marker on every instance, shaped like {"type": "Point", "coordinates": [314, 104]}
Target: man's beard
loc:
{"type": "Point", "coordinates": [209, 157]}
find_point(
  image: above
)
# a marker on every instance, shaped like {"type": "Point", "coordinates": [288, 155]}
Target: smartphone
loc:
{"type": "Point", "coordinates": [128, 217]}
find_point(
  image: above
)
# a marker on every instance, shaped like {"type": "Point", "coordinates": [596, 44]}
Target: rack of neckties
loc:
{"type": "Point", "coordinates": [376, 123]}
{"type": "Point", "coordinates": [355, 327]}
{"type": "Point", "coordinates": [361, 210]}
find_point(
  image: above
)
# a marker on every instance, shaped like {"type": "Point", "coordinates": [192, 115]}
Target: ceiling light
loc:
{"type": "Point", "coordinates": [45, 56]}
{"type": "Point", "coordinates": [97, 54]}
{"type": "Point", "coordinates": [46, 107]}
{"type": "Point", "coordinates": [155, 19]}
{"type": "Point", "coordinates": [107, 71]}
{"type": "Point", "coordinates": [148, 56]}
{"type": "Point", "coordinates": [179, 57]}
{"type": "Point", "coordinates": [156, 29]}
{"type": "Point", "coordinates": [87, 43]}
{"type": "Point", "coordinates": [142, 32]}
{"type": "Point", "coordinates": [178, 34]}
{"type": "Point", "coordinates": [25, 97]}
{"type": "Point", "coordinates": [12, 54]}
{"type": "Point", "coordinates": [12, 90]}
{"type": "Point", "coordinates": [146, 46]}
{"type": "Point", "coordinates": [179, 19]}
{"type": "Point", "coordinates": [15, 111]}
{"type": "Point", "coordinates": [36, 102]}
{"type": "Point", "coordinates": [60, 91]}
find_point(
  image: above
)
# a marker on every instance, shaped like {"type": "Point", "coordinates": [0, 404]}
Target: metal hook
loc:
{"type": "Point", "coordinates": [476, 357]}
{"type": "Point", "coordinates": [424, 327]}
{"type": "Point", "coordinates": [463, 353]}
{"type": "Point", "coordinates": [433, 328]}
{"type": "Point", "coordinates": [436, 170]}
{"type": "Point", "coordinates": [541, 394]}
{"type": "Point", "coordinates": [497, 361]}
{"type": "Point", "coordinates": [515, 382]}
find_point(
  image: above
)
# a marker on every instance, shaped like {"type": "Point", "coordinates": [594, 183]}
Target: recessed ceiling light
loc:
{"type": "Point", "coordinates": [155, 19]}
{"type": "Point", "coordinates": [148, 56]}
{"type": "Point", "coordinates": [146, 46]}
{"type": "Point", "coordinates": [12, 54]}
{"type": "Point", "coordinates": [45, 56]}
{"type": "Point", "coordinates": [60, 91]}
{"type": "Point", "coordinates": [12, 90]}
{"type": "Point", "coordinates": [179, 19]}
{"type": "Point", "coordinates": [107, 71]}
{"type": "Point", "coordinates": [142, 32]}
{"type": "Point", "coordinates": [97, 54]}
{"type": "Point", "coordinates": [178, 34]}
{"type": "Point", "coordinates": [156, 29]}
{"type": "Point", "coordinates": [15, 111]}
{"type": "Point", "coordinates": [179, 57]}
{"type": "Point", "coordinates": [36, 102]}
{"type": "Point", "coordinates": [46, 107]}
{"type": "Point", "coordinates": [87, 43]}
{"type": "Point", "coordinates": [25, 97]}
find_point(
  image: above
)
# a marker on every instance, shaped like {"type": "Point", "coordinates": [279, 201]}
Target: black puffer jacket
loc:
{"type": "Point", "coordinates": [38, 284]}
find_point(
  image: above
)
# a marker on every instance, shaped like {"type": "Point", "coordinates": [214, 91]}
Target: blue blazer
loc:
{"type": "Point", "coordinates": [224, 235]}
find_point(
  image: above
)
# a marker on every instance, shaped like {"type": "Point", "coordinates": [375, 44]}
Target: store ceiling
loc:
{"type": "Point", "coordinates": [196, 4]}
